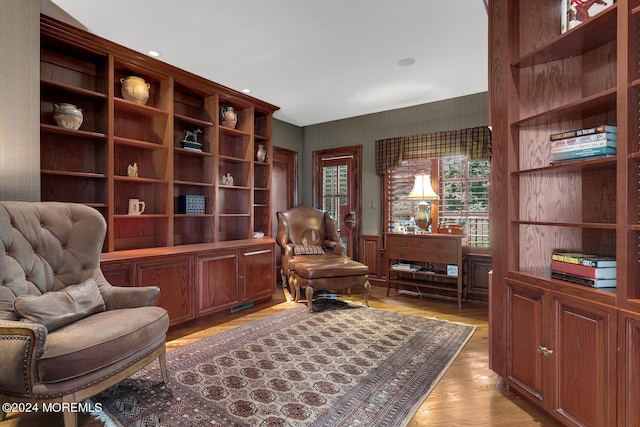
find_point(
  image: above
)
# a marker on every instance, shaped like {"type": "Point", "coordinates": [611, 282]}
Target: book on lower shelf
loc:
{"type": "Point", "coordinates": [401, 266]}
{"type": "Point", "coordinates": [587, 141]}
{"type": "Point", "coordinates": [589, 260]}
{"type": "Point", "coordinates": [583, 153]}
{"type": "Point", "coordinates": [583, 270]}
{"type": "Point", "coordinates": [586, 281]}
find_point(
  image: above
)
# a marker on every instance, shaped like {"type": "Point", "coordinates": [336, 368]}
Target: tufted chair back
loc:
{"type": "Point", "coordinates": [304, 225]}
{"type": "Point", "coordinates": [45, 247]}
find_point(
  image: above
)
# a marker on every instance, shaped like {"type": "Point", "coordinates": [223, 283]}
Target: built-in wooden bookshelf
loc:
{"type": "Point", "coordinates": [571, 349]}
{"type": "Point", "coordinates": [90, 165]}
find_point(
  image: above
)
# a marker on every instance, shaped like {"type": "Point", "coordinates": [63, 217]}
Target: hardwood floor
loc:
{"type": "Point", "coordinates": [469, 394]}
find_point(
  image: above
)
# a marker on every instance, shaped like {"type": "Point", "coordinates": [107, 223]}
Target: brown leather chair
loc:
{"type": "Point", "coordinates": [313, 257]}
{"type": "Point", "coordinates": [66, 334]}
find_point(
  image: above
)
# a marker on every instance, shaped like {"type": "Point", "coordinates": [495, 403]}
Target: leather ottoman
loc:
{"type": "Point", "coordinates": [328, 273]}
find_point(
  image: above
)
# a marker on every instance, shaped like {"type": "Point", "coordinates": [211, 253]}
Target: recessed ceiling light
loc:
{"type": "Point", "coordinates": [406, 62]}
{"type": "Point", "coordinates": [246, 90]}
{"type": "Point", "coordinates": [153, 53]}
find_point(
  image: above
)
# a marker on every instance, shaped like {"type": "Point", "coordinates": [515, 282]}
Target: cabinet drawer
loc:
{"type": "Point", "coordinates": [442, 244]}
{"type": "Point", "coordinates": [399, 252]}
{"type": "Point", "coordinates": [403, 242]}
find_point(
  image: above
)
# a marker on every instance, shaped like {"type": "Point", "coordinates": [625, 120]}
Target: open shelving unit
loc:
{"type": "Point", "coordinates": [90, 165]}
{"type": "Point", "coordinates": [550, 338]}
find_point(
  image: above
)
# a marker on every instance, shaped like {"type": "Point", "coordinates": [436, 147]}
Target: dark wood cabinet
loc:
{"type": "Point", "coordinates": [218, 281]}
{"type": "Point", "coordinates": [476, 275]}
{"type": "Point", "coordinates": [257, 272]}
{"type": "Point", "coordinates": [174, 277]}
{"type": "Point", "coordinates": [562, 353]}
{"type": "Point", "coordinates": [629, 368]}
{"type": "Point", "coordinates": [199, 279]}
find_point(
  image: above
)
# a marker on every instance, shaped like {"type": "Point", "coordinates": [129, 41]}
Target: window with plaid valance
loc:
{"type": "Point", "coordinates": [475, 143]}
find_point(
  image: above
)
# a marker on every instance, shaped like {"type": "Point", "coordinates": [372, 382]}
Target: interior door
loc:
{"type": "Point", "coordinates": [336, 190]}
{"type": "Point", "coordinates": [284, 189]}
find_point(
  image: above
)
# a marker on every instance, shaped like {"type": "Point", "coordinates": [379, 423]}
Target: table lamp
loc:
{"type": "Point", "coordinates": [423, 191]}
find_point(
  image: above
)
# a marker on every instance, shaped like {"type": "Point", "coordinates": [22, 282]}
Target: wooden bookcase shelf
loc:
{"type": "Point", "coordinates": [90, 165]}
{"type": "Point", "coordinates": [543, 82]}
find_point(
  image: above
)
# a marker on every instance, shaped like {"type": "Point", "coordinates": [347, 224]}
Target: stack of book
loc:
{"type": "Point", "coordinates": [582, 144]}
{"type": "Point", "coordinates": [584, 269]}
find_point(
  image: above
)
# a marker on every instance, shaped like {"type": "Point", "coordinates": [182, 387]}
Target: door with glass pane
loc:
{"type": "Point", "coordinates": [336, 190]}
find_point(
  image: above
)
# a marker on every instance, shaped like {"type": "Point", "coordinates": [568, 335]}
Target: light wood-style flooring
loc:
{"type": "Point", "coordinates": [469, 394]}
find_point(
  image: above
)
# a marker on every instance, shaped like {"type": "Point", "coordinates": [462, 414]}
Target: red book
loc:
{"type": "Point", "coordinates": [583, 270]}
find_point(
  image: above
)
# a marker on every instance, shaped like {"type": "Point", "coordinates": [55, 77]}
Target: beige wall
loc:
{"type": "Point", "coordinates": [19, 100]}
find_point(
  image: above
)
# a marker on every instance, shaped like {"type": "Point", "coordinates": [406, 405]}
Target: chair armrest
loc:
{"type": "Point", "coordinates": [120, 297]}
{"type": "Point", "coordinates": [21, 345]}
{"type": "Point", "coordinates": [116, 297]}
{"type": "Point", "coordinates": [335, 248]}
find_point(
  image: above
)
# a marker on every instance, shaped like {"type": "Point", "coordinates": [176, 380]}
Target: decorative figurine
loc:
{"type": "Point", "coordinates": [132, 170]}
{"type": "Point", "coordinates": [190, 140]}
{"type": "Point", "coordinates": [227, 179]}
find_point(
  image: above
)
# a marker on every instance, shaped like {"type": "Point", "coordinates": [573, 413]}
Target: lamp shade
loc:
{"type": "Point", "coordinates": [422, 189]}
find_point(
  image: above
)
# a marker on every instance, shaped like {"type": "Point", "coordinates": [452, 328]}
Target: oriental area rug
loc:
{"type": "Point", "coordinates": [342, 365]}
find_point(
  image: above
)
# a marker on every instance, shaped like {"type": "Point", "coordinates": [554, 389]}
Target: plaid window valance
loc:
{"type": "Point", "coordinates": [475, 143]}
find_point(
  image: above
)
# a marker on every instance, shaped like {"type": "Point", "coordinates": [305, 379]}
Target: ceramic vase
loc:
{"type": "Point", "coordinates": [135, 89]}
{"type": "Point", "coordinates": [261, 154]}
{"type": "Point", "coordinates": [67, 115]}
{"type": "Point", "coordinates": [228, 117]}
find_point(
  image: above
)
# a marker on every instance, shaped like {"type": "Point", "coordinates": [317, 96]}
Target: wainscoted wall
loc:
{"type": "Point", "coordinates": [19, 100]}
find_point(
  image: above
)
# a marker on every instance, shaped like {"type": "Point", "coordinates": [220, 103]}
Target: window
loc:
{"type": "Point", "coordinates": [463, 187]}
{"type": "Point", "coordinates": [399, 182]}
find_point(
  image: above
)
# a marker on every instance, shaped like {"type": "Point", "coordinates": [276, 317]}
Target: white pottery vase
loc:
{"type": "Point", "coordinates": [67, 115]}
{"type": "Point", "coordinates": [135, 89]}
{"type": "Point", "coordinates": [261, 154]}
{"type": "Point", "coordinates": [229, 117]}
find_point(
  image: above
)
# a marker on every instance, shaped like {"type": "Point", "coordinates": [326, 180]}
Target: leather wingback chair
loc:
{"type": "Point", "coordinates": [66, 334]}
{"type": "Point", "coordinates": [306, 226]}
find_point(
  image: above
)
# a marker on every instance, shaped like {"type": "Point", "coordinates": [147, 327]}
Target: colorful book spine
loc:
{"type": "Point", "coordinates": [585, 259]}
{"type": "Point", "coordinates": [613, 137]}
{"type": "Point", "coordinates": [584, 146]}
{"type": "Point", "coordinates": [579, 280]}
{"type": "Point", "coordinates": [582, 154]}
{"type": "Point", "coordinates": [582, 132]}
{"type": "Point", "coordinates": [583, 270]}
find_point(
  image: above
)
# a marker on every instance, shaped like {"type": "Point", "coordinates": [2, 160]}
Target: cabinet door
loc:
{"type": "Point", "coordinates": [258, 272]}
{"type": "Point", "coordinates": [174, 277]}
{"type": "Point", "coordinates": [629, 362]}
{"type": "Point", "coordinates": [117, 273]}
{"type": "Point", "coordinates": [217, 281]}
{"type": "Point", "coordinates": [585, 362]}
{"type": "Point", "coordinates": [526, 341]}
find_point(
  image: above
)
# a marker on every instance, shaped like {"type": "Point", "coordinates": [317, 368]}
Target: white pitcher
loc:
{"type": "Point", "coordinates": [136, 207]}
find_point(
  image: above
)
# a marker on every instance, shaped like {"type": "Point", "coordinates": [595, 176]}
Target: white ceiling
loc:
{"type": "Point", "coordinates": [318, 60]}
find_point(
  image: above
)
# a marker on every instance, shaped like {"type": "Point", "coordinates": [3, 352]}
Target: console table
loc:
{"type": "Point", "coordinates": [430, 261]}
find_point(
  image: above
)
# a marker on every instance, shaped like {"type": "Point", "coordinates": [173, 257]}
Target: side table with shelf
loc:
{"type": "Point", "coordinates": [438, 256]}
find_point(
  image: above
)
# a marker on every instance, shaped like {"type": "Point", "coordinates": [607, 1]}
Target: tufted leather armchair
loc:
{"type": "Point", "coordinates": [49, 250]}
{"type": "Point", "coordinates": [306, 226]}
{"type": "Point", "coordinates": [313, 257]}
